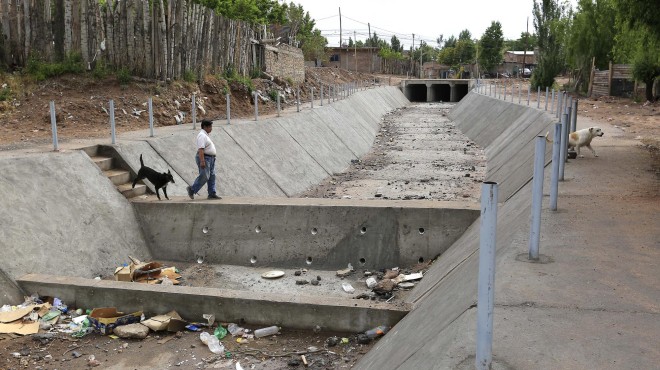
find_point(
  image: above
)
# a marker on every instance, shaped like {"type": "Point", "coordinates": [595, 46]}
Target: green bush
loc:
{"type": "Point", "coordinates": [5, 94]}
{"type": "Point", "coordinates": [273, 94]}
{"type": "Point", "coordinates": [41, 70]}
{"type": "Point", "coordinates": [189, 76]}
{"type": "Point", "coordinates": [100, 70]}
{"type": "Point", "coordinates": [124, 76]}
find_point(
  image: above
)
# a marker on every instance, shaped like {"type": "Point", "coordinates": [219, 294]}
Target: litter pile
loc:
{"type": "Point", "coordinates": [147, 272]}
{"type": "Point", "coordinates": [383, 283]}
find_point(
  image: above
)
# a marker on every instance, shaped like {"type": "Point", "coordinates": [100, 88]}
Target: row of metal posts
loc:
{"type": "Point", "coordinates": [567, 108]}
{"type": "Point", "coordinates": [336, 92]}
{"type": "Point", "coordinates": [499, 91]}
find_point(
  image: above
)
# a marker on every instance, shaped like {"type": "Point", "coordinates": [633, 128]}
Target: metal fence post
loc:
{"type": "Point", "coordinates": [321, 95]}
{"type": "Point", "coordinates": [546, 98]}
{"type": "Point", "coordinates": [529, 92]}
{"type": "Point", "coordinates": [278, 103]}
{"type": "Point", "coordinates": [312, 99]}
{"type": "Point", "coordinates": [552, 105]}
{"type": "Point", "coordinates": [112, 121]}
{"type": "Point", "coordinates": [150, 103]}
{"type": "Point", "coordinates": [560, 102]}
{"type": "Point", "coordinates": [519, 93]}
{"type": "Point", "coordinates": [574, 116]}
{"type": "Point", "coordinates": [564, 146]}
{"type": "Point", "coordinates": [298, 100]}
{"type": "Point", "coordinates": [228, 109]}
{"type": "Point", "coordinates": [538, 97]}
{"type": "Point", "coordinates": [256, 106]}
{"type": "Point", "coordinates": [554, 177]}
{"type": "Point", "coordinates": [194, 111]}
{"type": "Point", "coordinates": [504, 93]}
{"type": "Point", "coordinates": [486, 280]}
{"type": "Point", "coordinates": [53, 125]}
{"type": "Point", "coordinates": [537, 198]}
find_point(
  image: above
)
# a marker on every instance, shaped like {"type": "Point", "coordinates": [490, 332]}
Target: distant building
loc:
{"type": "Point", "coordinates": [364, 59]}
{"type": "Point", "coordinates": [436, 70]}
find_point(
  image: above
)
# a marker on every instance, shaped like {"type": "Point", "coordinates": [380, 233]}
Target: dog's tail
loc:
{"type": "Point", "coordinates": [142, 163]}
{"type": "Point", "coordinates": [546, 137]}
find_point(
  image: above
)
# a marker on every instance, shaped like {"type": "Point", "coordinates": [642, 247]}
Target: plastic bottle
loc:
{"type": "Point", "coordinates": [212, 342]}
{"type": "Point", "coordinates": [377, 331]}
{"type": "Point", "coordinates": [271, 330]}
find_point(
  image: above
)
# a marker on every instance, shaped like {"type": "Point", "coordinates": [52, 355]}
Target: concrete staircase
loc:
{"type": "Point", "coordinates": [117, 171]}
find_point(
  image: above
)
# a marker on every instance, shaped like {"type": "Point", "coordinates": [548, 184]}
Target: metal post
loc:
{"type": "Point", "coordinates": [519, 93]}
{"type": "Point", "coordinates": [511, 93]}
{"type": "Point", "coordinates": [546, 98]}
{"type": "Point", "coordinates": [537, 198]}
{"type": "Point", "coordinates": [554, 177]}
{"type": "Point", "coordinates": [228, 109]}
{"type": "Point", "coordinates": [256, 106]}
{"type": "Point", "coordinates": [321, 95]}
{"type": "Point", "coordinates": [490, 89]}
{"type": "Point", "coordinates": [151, 116]}
{"type": "Point", "coordinates": [538, 97]}
{"type": "Point", "coordinates": [298, 100]}
{"type": "Point", "coordinates": [560, 102]}
{"type": "Point", "coordinates": [194, 111]}
{"type": "Point", "coordinates": [112, 121]}
{"type": "Point", "coordinates": [564, 146]}
{"type": "Point", "coordinates": [278, 103]}
{"type": "Point", "coordinates": [53, 125]}
{"type": "Point", "coordinates": [529, 89]}
{"type": "Point", "coordinates": [504, 93]}
{"type": "Point", "coordinates": [574, 117]}
{"type": "Point", "coordinates": [486, 280]}
{"type": "Point", "coordinates": [552, 104]}
{"type": "Point", "coordinates": [312, 99]}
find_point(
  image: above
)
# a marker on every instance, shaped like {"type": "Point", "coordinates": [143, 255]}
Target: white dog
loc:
{"type": "Point", "coordinates": [582, 138]}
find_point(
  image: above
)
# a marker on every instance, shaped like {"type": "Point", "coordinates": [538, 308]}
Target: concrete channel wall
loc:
{"type": "Point", "coordinates": [60, 215]}
{"type": "Point", "coordinates": [319, 233]}
{"type": "Point", "coordinates": [439, 332]}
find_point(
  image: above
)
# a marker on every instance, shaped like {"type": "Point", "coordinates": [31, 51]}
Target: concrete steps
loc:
{"type": "Point", "coordinates": [119, 177]}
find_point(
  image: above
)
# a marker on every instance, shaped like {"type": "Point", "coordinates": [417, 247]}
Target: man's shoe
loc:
{"type": "Point", "coordinates": [214, 196]}
{"type": "Point", "coordinates": [190, 192]}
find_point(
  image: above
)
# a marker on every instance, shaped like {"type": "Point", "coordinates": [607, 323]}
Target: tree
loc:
{"type": "Point", "coordinates": [550, 24]}
{"type": "Point", "coordinates": [396, 44]}
{"type": "Point", "coordinates": [465, 35]}
{"type": "Point", "coordinates": [490, 47]}
{"type": "Point", "coordinates": [450, 42]}
{"type": "Point", "coordinates": [638, 40]}
{"type": "Point", "coordinates": [591, 35]}
{"type": "Point", "coordinates": [314, 46]}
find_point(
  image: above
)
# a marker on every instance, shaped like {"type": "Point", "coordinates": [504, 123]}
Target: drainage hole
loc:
{"type": "Point", "coordinates": [421, 260]}
{"type": "Point", "coordinates": [363, 230]}
{"type": "Point", "coordinates": [200, 259]}
{"type": "Point", "coordinates": [257, 229]}
{"type": "Point", "coordinates": [309, 260]}
{"type": "Point", "coordinates": [421, 231]}
{"type": "Point", "coordinates": [362, 261]}
{"type": "Point", "coordinates": [314, 231]}
{"type": "Point", "coordinates": [253, 260]}
{"type": "Point", "coordinates": [205, 229]}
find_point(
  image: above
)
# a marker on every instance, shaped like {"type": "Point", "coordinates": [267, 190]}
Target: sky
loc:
{"type": "Point", "coordinates": [426, 19]}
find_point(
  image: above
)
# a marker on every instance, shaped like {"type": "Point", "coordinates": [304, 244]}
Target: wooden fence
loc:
{"type": "Point", "coordinates": [152, 38]}
{"type": "Point", "coordinates": [615, 81]}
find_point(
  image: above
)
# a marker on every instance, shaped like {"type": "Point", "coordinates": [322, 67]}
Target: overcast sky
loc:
{"type": "Point", "coordinates": [426, 19]}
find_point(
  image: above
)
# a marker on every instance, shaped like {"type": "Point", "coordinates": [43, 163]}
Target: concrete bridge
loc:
{"type": "Point", "coordinates": [430, 90]}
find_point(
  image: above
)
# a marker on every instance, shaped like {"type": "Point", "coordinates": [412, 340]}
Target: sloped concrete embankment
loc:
{"type": "Point", "coordinates": [60, 215]}
{"type": "Point", "coordinates": [444, 300]}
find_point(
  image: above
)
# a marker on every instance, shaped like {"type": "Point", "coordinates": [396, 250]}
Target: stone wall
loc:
{"type": "Point", "coordinates": [284, 61]}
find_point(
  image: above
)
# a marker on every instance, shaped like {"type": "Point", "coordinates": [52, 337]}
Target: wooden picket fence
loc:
{"type": "Point", "coordinates": [152, 38]}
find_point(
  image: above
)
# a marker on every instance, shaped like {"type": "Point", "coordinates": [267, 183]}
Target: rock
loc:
{"type": "Point", "coordinates": [297, 273]}
{"type": "Point", "coordinates": [293, 363]}
{"type": "Point", "coordinates": [384, 286]}
{"type": "Point", "coordinates": [345, 272]}
{"type": "Point", "coordinates": [390, 274]}
{"type": "Point", "coordinates": [332, 341]}
{"type": "Point", "coordinates": [315, 282]}
{"type": "Point", "coordinates": [371, 282]}
{"type": "Point", "coordinates": [135, 331]}
{"type": "Point", "coordinates": [302, 282]}
{"type": "Point", "coordinates": [363, 339]}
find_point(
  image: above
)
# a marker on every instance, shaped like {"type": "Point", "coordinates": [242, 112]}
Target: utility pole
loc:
{"type": "Point", "coordinates": [371, 51]}
{"type": "Point", "coordinates": [412, 62]}
{"type": "Point", "coordinates": [340, 44]}
{"type": "Point", "coordinates": [355, 49]}
{"type": "Point", "coordinates": [525, 51]}
{"type": "Point", "coordinates": [421, 52]}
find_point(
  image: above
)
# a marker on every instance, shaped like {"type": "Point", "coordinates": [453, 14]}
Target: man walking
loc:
{"type": "Point", "coordinates": [205, 159]}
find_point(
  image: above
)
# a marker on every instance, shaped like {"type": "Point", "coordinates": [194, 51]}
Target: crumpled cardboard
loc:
{"type": "Point", "coordinates": [106, 318]}
{"type": "Point", "coordinates": [162, 322]}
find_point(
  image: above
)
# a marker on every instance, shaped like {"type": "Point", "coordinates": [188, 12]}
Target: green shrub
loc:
{"type": "Point", "coordinates": [189, 76]}
{"type": "Point", "coordinates": [273, 95]}
{"type": "Point", "coordinates": [124, 76]}
{"type": "Point", "coordinates": [100, 70]}
{"type": "Point", "coordinates": [5, 94]}
{"type": "Point", "coordinates": [256, 73]}
{"type": "Point", "coordinates": [41, 70]}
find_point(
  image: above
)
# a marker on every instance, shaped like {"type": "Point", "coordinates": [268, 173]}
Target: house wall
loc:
{"type": "Point", "coordinates": [284, 61]}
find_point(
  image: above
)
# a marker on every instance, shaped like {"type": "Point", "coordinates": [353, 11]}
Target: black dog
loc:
{"type": "Point", "coordinates": [160, 180]}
